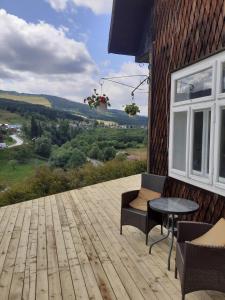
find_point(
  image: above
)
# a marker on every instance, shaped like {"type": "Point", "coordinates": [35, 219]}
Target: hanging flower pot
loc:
{"type": "Point", "coordinates": [102, 107]}
{"type": "Point", "coordinates": [99, 102]}
{"type": "Point", "coordinates": [132, 109]}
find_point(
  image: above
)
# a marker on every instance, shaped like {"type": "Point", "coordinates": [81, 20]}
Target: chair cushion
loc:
{"type": "Point", "coordinates": [215, 237]}
{"type": "Point", "coordinates": [143, 197]}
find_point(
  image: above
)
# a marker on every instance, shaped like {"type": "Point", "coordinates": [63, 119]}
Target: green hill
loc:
{"type": "Point", "coordinates": [32, 99]}
{"type": "Point", "coordinates": [75, 108]}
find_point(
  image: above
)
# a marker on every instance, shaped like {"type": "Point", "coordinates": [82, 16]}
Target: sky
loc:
{"type": "Point", "coordinates": [59, 47]}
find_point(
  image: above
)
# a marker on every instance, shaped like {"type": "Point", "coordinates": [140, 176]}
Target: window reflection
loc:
{"type": "Point", "coordinates": [222, 145]}
{"type": "Point", "coordinates": [194, 86]}
{"type": "Point", "coordinates": [223, 78]}
{"type": "Point", "coordinates": [197, 145]}
{"type": "Point", "coordinates": [180, 133]}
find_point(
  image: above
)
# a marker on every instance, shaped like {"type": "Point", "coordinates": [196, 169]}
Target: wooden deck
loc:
{"type": "Point", "coordinates": [68, 246]}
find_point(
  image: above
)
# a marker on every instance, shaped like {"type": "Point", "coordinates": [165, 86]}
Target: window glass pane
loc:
{"type": "Point", "coordinates": [197, 141]}
{"type": "Point", "coordinates": [208, 141]}
{"type": "Point", "coordinates": [194, 86]}
{"type": "Point", "coordinates": [179, 140]}
{"type": "Point", "coordinates": [222, 145]}
{"type": "Point", "coordinates": [223, 78]}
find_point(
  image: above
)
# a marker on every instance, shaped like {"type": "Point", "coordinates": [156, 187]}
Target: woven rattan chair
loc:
{"type": "Point", "coordinates": [143, 220]}
{"type": "Point", "coordinates": [199, 267]}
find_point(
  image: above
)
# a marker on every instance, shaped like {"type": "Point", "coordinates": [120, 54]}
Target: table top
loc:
{"type": "Point", "coordinates": [178, 206]}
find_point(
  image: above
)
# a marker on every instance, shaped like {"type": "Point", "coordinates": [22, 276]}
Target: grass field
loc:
{"type": "Point", "coordinates": [10, 175]}
{"type": "Point", "coordinates": [28, 99]}
{"type": "Point", "coordinates": [141, 153]}
{"type": "Point", "coordinates": [7, 117]}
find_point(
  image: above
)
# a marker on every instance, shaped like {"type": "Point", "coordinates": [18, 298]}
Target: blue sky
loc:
{"type": "Point", "coordinates": [60, 47]}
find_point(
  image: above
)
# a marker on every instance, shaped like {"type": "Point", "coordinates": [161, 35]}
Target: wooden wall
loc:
{"type": "Point", "coordinates": [184, 31]}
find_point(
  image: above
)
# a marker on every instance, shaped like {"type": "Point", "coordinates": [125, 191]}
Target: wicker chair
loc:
{"type": "Point", "coordinates": [143, 220]}
{"type": "Point", "coordinates": [199, 267]}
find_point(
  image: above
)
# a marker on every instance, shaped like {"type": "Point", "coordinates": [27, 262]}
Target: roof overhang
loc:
{"type": "Point", "coordinates": [130, 27]}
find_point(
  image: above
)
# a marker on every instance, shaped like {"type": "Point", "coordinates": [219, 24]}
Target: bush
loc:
{"type": "Point", "coordinates": [77, 159]}
{"type": "Point", "coordinates": [22, 153]}
{"type": "Point", "coordinates": [43, 146]}
{"type": "Point", "coordinates": [109, 153]}
{"type": "Point", "coordinates": [95, 153]}
{"type": "Point", "coordinates": [121, 156]}
{"type": "Point", "coordinates": [47, 181]}
{"type": "Point", "coordinates": [60, 157]}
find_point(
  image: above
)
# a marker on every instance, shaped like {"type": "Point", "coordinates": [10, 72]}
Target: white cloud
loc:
{"type": "Point", "coordinates": [40, 48]}
{"type": "Point", "coordinates": [39, 58]}
{"type": "Point", "coordinates": [58, 5]}
{"type": "Point", "coordinates": [97, 6]}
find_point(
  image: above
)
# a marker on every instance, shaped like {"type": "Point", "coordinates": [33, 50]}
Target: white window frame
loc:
{"type": "Point", "coordinates": [218, 182]}
{"type": "Point", "coordinates": [215, 103]}
{"type": "Point", "coordinates": [195, 175]}
{"type": "Point", "coordinates": [171, 141]}
{"type": "Point", "coordinates": [196, 68]}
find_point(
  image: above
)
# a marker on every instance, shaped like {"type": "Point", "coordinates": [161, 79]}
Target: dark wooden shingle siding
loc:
{"type": "Point", "coordinates": [185, 31]}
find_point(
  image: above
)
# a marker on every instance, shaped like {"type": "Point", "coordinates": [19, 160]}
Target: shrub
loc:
{"type": "Point", "coordinates": [109, 153]}
{"type": "Point", "coordinates": [77, 159]}
{"type": "Point", "coordinates": [43, 146]}
{"type": "Point", "coordinates": [47, 181]}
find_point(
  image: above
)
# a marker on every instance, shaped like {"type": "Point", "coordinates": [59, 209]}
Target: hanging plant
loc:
{"type": "Point", "coordinates": [100, 102]}
{"type": "Point", "coordinates": [132, 109]}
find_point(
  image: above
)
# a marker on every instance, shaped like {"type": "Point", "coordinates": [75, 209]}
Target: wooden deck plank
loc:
{"type": "Point", "coordinates": [131, 261]}
{"type": "Point", "coordinates": [88, 275]}
{"type": "Point", "coordinates": [64, 269]}
{"type": "Point", "coordinates": [9, 264]}
{"type": "Point", "coordinates": [68, 246]}
{"type": "Point", "coordinates": [53, 266]}
{"type": "Point", "coordinates": [42, 261]}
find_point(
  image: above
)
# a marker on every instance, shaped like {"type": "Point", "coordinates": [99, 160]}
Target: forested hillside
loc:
{"type": "Point", "coordinates": [75, 108]}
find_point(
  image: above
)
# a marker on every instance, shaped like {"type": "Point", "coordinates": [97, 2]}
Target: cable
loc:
{"type": "Point", "coordinates": [124, 84]}
{"type": "Point", "coordinates": [127, 76]}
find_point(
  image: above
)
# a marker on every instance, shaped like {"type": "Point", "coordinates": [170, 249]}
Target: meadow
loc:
{"type": "Point", "coordinates": [26, 98]}
{"type": "Point", "coordinates": [12, 173]}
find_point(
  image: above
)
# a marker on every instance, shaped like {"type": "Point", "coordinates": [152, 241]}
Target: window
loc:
{"type": "Point", "coordinates": [223, 77]}
{"type": "Point", "coordinates": [194, 86]}
{"type": "Point", "coordinates": [179, 135]}
{"type": "Point", "coordinates": [197, 126]}
{"type": "Point", "coordinates": [222, 147]}
{"type": "Point", "coordinates": [201, 142]}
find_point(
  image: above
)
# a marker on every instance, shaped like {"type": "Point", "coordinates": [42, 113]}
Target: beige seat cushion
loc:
{"type": "Point", "coordinates": [215, 237]}
{"type": "Point", "coordinates": [143, 196]}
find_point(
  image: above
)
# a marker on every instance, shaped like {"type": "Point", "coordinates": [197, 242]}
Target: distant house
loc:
{"type": "Point", "coordinates": [14, 128]}
{"type": "Point", "coordinates": [3, 126]}
{"type": "Point", "coordinates": [183, 42]}
{"type": "Point", "coordinates": [3, 145]}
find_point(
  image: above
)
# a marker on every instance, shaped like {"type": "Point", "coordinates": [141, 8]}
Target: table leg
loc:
{"type": "Point", "coordinates": [159, 240]}
{"type": "Point", "coordinates": [172, 240]}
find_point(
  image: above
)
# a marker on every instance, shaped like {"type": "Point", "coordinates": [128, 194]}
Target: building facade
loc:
{"type": "Point", "coordinates": [184, 41]}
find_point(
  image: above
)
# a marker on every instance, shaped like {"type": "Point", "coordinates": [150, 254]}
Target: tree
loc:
{"type": "Point", "coordinates": [64, 131]}
{"type": "Point", "coordinates": [95, 152]}
{"type": "Point", "coordinates": [22, 153]}
{"type": "Point", "coordinates": [109, 153]}
{"type": "Point", "coordinates": [43, 146]}
{"type": "Point", "coordinates": [34, 128]}
{"type": "Point", "coordinates": [60, 157]}
{"type": "Point", "coordinates": [77, 159]}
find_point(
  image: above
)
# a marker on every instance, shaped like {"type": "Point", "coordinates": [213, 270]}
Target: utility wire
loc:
{"type": "Point", "coordinates": [124, 84]}
{"type": "Point", "coordinates": [117, 77]}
